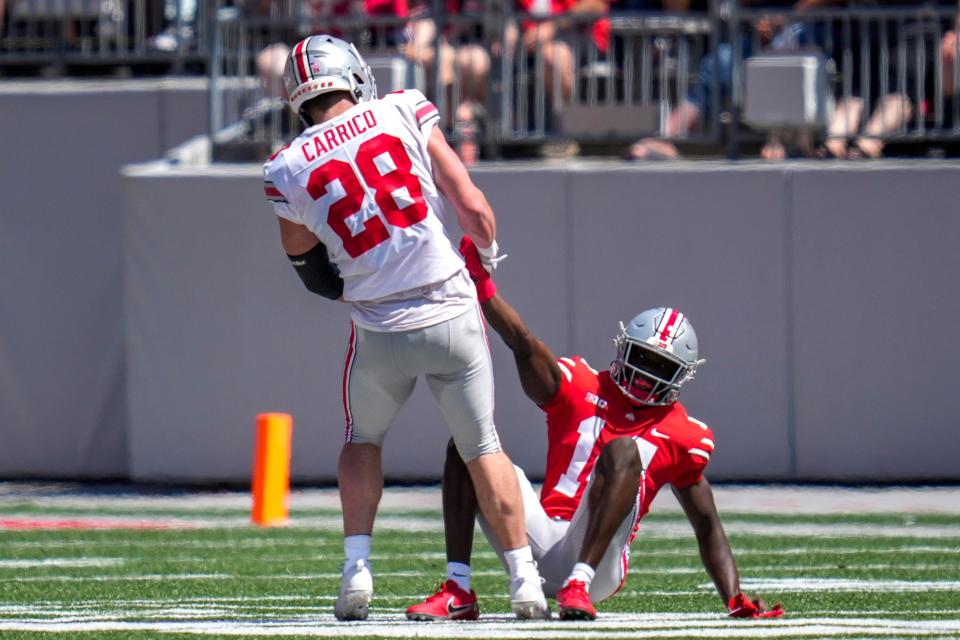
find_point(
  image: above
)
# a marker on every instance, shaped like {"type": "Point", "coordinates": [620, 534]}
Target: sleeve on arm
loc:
{"type": "Point", "coordinates": [423, 112]}
{"type": "Point", "coordinates": [566, 366]}
{"type": "Point", "coordinates": [275, 190]}
{"type": "Point", "coordinates": [695, 454]}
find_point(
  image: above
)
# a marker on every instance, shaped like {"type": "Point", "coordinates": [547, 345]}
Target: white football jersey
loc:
{"type": "Point", "coordinates": [363, 183]}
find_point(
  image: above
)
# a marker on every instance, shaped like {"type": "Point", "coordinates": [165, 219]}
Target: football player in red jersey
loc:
{"type": "Point", "coordinates": [614, 438]}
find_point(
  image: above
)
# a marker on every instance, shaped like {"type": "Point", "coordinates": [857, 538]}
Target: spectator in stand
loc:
{"type": "Point", "coordinates": [549, 37]}
{"type": "Point", "coordinates": [949, 52]}
{"type": "Point", "coordinates": [323, 16]}
{"type": "Point", "coordinates": [894, 111]}
{"type": "Point", "coordinates": [716, 73]}
{"type": "Point", "coordinates": [463, 65]}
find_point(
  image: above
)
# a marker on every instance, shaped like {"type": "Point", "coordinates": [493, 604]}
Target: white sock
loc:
{"type": "Point", "coordinates": [356, 548]}
{"type": "Point", "coordinates": [520, 563]}
{"type": "Point", "coordinates": [582, 572]}
{"type": "Point", "coordinates": [459, 573]}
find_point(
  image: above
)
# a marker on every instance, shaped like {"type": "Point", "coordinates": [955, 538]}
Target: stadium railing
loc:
{"type": "Point", "coordinates": [652, 63]}
{"type": "Point", "coordinates": [887, 61]}
{"type": "Point", "coordinates": [103, 37]}
{"type": "Point", "coordinates": [623, 81]}
{"type": "Point", "coordinates": [607, 97]}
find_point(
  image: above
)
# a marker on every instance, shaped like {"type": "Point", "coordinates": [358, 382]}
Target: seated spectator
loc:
{"type": "Point", "coordinates": [716, 74]}
{"type": "Point", "coordinates": [322, 15]}
{"type": "Point", "coordinates": [549, 38]}
{"type": "Point", "coordinates": [463, 66]}
{"type": "Point", "coordinates": [895, 110]}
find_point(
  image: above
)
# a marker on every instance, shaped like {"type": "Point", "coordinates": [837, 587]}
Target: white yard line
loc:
{"type": "Point", "coordinates": [648, 530]}
{"type": "Point", "coordinates": [841, 584]}
{"type": "Point", "coordinates": [60, 562]}
{"type": "Point", "coordinates": [607, 626]}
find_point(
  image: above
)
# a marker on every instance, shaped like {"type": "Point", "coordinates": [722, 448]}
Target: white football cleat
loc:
{"type": "Point", "coordinates": [356, 591]}
{"type": "Point", "coordinates": [527, 599]}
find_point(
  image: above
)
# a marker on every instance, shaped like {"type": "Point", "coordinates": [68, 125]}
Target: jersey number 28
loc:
{"type": "Point", "coordinates": [383, 184]}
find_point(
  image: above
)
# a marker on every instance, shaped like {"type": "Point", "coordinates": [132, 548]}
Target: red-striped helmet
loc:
{"type": "Point", "coordinates": [321, 64]}
{"type": "Point", "coordinates": [656, 354]}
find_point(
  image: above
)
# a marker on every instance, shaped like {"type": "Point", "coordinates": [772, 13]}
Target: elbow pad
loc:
{"type": "Point", "coordinates": [319, 275]}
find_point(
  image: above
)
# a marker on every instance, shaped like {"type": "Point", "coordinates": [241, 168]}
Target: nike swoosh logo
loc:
{"type": "Point", "coordinates": [657, 434]}
{"type": "Point", "coordinates": [452, 609]}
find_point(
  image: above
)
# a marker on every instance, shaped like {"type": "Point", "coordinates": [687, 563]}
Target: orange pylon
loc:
{"type": "Point", "coordinates": [271, 469]}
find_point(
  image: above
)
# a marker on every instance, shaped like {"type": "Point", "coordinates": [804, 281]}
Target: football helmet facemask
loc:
{"type": "Point", "coordinates": [321, 64]}
{"type": "Point", "coordinates": [656, 354]}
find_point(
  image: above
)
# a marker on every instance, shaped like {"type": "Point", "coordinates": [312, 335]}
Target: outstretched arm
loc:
{"type": "Point", "coordinates": [473, 211]}
{"type": "Point", "coordinates": [536, 364]}
{"type": "Point", "coordinates": [697, 502]}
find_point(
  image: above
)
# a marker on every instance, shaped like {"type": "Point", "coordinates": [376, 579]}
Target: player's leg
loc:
{"type": "Point", "coordinates": [595, 546]}
{"type": "Point", "coordinates": [374, 390]}
{"type": "Point", "coordinates": [461, 379]}
{"type": "Point", "coordinates": [454, 600]}
{"type": "Point", "coordinates": [543, 532]}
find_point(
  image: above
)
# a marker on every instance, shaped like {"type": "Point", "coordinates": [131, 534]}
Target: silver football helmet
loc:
{"type": "Point", "coordinates": [656, 354]}
{"type": "Point", "coordinates": [321, 64]}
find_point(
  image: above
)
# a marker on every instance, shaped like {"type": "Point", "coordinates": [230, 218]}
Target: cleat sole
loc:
{"type": "Point", "coordinates": [531, 610]}
{"type": "Point", "coordinates": [352, 606]}
{"type": "Point", "coordinates": [576, 614]}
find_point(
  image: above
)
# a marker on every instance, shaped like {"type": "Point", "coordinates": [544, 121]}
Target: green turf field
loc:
{"type": "Point", "coordinates": [209, 573]}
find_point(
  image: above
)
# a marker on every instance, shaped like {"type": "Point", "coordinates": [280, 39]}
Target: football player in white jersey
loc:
{"type": "Point", "coordinates": [357, 196]}
{"type": "Point", "coordinates": [614, 439]}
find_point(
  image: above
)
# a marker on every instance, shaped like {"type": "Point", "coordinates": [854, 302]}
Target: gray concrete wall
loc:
{"type": "Point", "coordinates": [145, 321]}
{"type": "Point", "coordinates": [62, 358]}
{"type": "Point", "coordinates": [821, 295]}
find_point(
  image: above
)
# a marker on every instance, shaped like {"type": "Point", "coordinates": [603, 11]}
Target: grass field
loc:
{"type": "Point", "coordinates": [90, 567]}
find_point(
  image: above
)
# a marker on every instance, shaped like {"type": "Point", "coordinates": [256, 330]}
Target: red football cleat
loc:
{"type": "Point", "coordinates": [450, 602]}
{"type": "Point", "coordinates": [574, 602]}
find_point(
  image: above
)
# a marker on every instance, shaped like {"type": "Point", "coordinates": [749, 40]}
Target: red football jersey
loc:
{"type": "Point", "coordinates": [588, 412]}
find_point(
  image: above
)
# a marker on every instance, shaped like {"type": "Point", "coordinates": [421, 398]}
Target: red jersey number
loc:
{"type": "Point", "coordinates": [383, 184]}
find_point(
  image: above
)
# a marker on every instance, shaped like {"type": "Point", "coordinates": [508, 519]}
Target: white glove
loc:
{"type": "Point", "coordinates": [489, 257]}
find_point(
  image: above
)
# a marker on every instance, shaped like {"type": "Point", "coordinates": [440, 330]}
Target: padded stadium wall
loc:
{"type": "Point", "coordinates": [145, 319]}
{"type": "Point", "coordinates": [823, 296]}
{"type": "Point", "coordinates": [63, 385]}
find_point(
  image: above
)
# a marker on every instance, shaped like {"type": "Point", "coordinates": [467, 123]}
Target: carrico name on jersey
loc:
{"type": "Point", "coordinates": [363, 183]}
{"type": "Point", "coordinates": [588, 412]}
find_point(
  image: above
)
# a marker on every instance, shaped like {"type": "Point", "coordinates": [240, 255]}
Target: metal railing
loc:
{"type": "Point", "coordinates": [893, 77]}
{"type": "Point", "coordinates": [100, 34]}
{"type": "Point", "coordinates": [501, 78]}
{"type": "Point", "coordinates": [493, 76]}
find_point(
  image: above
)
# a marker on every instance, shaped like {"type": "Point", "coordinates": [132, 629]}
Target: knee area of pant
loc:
{"type": "Point", "coordinates": [471, 449]}
{"type": "Point", "coordinates": [358, 437]}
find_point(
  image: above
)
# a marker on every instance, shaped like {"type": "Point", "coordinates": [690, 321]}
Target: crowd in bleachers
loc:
{"type": "Point", "coordinates": [517, 65]}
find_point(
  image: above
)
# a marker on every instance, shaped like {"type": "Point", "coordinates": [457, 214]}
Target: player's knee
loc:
{"type": "Point", "coordinates": [471, 448]}
{"type": "Point", "coordinates": [620, 458]}
{"type": "Point", "coordinates": [361, 436]}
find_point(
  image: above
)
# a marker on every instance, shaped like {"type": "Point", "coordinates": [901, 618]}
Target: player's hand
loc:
{"type": "Point", "coordinates": [490, 257]}
{"type": "Point", "coordinates": [486, 288]}
{"type": "Point", "coordinates": [742, 606]}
